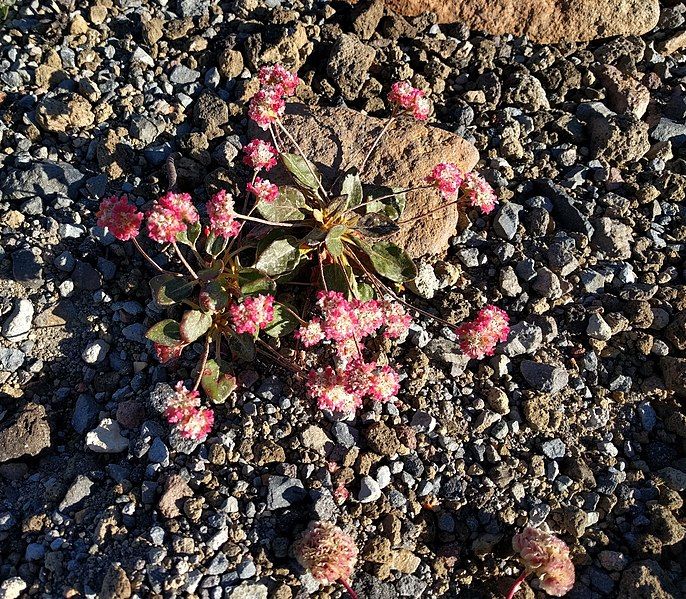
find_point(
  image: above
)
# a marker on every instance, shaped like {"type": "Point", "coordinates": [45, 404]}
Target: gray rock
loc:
{"type": "Point", "coordinates": [193, 8]}
{"type": "Point", "coordinates": [667, 130]}
{"type": "Point", "coordinates": [107, 438]}
{"type": "Point", "coordinates": [12, 588]}
{"type": "Point", "coordinates": [283, 492]}
{"type": "Point", "coordinates": [183, 75]}
{"type": "Point", "coordinates": [158, 452]}
{"type": "Point", "coordinates": [369, 490]}
{"type": "Point", "coordinates": [65, 262]}
{"type": "Point", "coordinates": [95, 352]}
{"type": "Point", "coordinates": [85, 413]}
{"type": "Point", "coordinates": [566, 209]}
{"type": "Point", "coordinates": [18, 323]}
{"type": "Point", "coordinates": [598, 328]}
{"type": "Point", "coordinates": [26, 268]}
{"type": "Point", "coordinates": [425, 284]}
{"type": "Point", "coordinates": [11, 359]}
{"type": "Point", "coordinates": [547, 283]}
{"type": "Point", "coordinates": [34, 552]}
{"type": "Point", "coordinates": [79, 490]}
{"type": "Point", "coordinates": [544, 377]}
{"type": "Point", "coordinates": [249, 591]}
{"type": "Point", "coordinates": [554, 449]}
{"type": "Point", "coordinates": [506, 221]}
{"type": "Point", "coordinates": [343, 435]}
{"type": "Point", "coordinates": [86, 277]}
{"type": "Point", "coordinates": [45, 180]}
{"type": "Point", "coordinates": [524, 338]}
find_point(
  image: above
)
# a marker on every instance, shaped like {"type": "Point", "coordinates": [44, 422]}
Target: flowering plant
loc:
{"type": "Point", "coordinates": [231, 294]}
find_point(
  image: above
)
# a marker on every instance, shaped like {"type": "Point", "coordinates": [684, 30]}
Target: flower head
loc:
{"type": "Point", "coordinates": [548, 557]}
{"type": "Point", "coordinates": [331, 393]}
{"type": "Point", "coordinates": [197, 424]}
{"type": "Point", "coordinates": [479, 337]}
{"type": "Point", "coordinates": [447, 177]}
{"type": "Point", "coordinates": [396, 320]}
{"type": "Point", "coordinates": [264, 190]}
{"type": "Point", "coordinates": [255, 313]}
{"type": "Point", "coordinates": [410, 99]}
{"type": "Point", "coordinates": [182, 205]}
{"type": "Point", "coordinates": [327, 552]}
{"type": "Point", "coordinates": [260, 154]}
{"type": "Point", "coordinates": [183, 410]}
{"type": "Point", "coordinates": [311, 333]}
{"type": "Point", "coordinates": [121, 218]}
{"type": "Point", "coordinates": [266, 106]}
{"type": "Point", "coordinates": [164, 224]}
{"type": "Point", "coordinates": [278, 78]}
{"type": "Point", "coordinates": [220, 210]}
{"type": "Point", "coordinates": [479, 193]}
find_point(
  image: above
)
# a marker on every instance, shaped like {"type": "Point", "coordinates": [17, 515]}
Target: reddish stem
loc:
{"type": "Point", "coordinates": [516, 585]}
{"type": "Point", "coordinates": [353, 594]}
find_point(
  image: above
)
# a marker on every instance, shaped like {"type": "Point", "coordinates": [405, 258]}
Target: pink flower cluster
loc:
{"type": "Point", "coordinates": [170, 215]}
{"type": "Point", "coordinates": [410, 99]}
{"type": "Point", "coordinates": [121, 218]}
{"type": "Point", "coordinates": [352, 320]}
{"type": "Point", "coordinates": [184, 411]}
{"type": "Point", "coordinates": [220, 210]}
{"type": "Point", "coordinates": [479, 193]}
{"type": "Point", "coordinates": [260, 155]}
{"type": "Point", "coordinates": [255, 313]}
{"type": "Point", "coordinates": [264, 190]}
{"type": "Point", "coordinates": [479, 337]}
{"type": "Point", "coordinates": [268, 104]}
{"type": "Point", "coordinates": [342, 392]}
{"type": "Point", "coordinates": [449, 178]}
{"type": "Point", "coordinates": [548, 557]}
{"type": "Point", "coordinates": [327, 552]}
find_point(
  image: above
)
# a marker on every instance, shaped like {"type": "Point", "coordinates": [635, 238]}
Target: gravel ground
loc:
{"type": "Point", "coordinates": [577, 421]}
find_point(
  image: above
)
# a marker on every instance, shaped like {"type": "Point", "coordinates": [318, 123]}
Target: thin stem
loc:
{"type": "Point", "coordinates": [147, 257]}
{"type": "Point", "coordinates": [516, 585]}
{"type": "Point", "coordinates": [276, 142]}
{"type": "Point", "coordinates": [390, 195]}
{"type": "Point", "coordinates": [247, 193]}
{"type": "Point", "coordinates": [261, 220]}
{"type": "Point", "coordinates": [321, 270]}
{"type": "Point", "coordinates": [189, 268]}
{"type": "Point", "coordinates": [302, 154]}
{"type": "Point", "coordinates": [294, 313]}
{"type": "Point", "coordinates": [203, 363]}
{"type": "Point", "coordinates": [418, 216]}
{"type": "Point", "coordinates": [348, 588]}
{"type": "Point", "coordinates": [285, 363]}
{"type": "Point", "coordinates": [376, 143]}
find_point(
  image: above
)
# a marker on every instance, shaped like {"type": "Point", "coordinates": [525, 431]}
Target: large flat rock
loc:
{"type": "Point", "coordinates": [336, 138]}
{"type": "Point", "coordinates": [543, 21]}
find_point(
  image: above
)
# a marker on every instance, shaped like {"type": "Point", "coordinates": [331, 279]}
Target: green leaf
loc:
{"type": "Point", "coordinates": [166, 332]}
{"type": "Point", "coordinates": [215, 269]}
{"type": "Point", "coordinates": [243, 346]}
{"type": "Point", "coordinates": [216, 383]}
{"type": "Point", "coordinates": [392, 206]}
{"type": "Point", "coordinates": [190, 236]}
{"type": "Point", "coordinates": [287, 207]}
{"type": "Point", "coordinates": [194, 325]}
{"type": "Point", "coordinates": [333, 240]}
{"type": "Point", "coordinates": [299, 169]}
{"type": "Point", "coordinates": [281, 256]}
{"type": "Point", "coordinates": [376, 225]}
{"type": "Point", "coordinates": [253, 281]}
{"type": "Point", "coordinates": [170, 289]}
{"type": "Point", "coordinates": [352, 187]}
{"type": "Point", "coordinates": [364, 291]}
{"type": "Point", "coordinates": [389, 260]}
{"type": "Point", "coordinates": [214, 245]}
{"type": "Point", "coordinates": [283, 323]}
{"type": "Point", "coordinates": [335, 278]}
{"type": "Point", "coordinates": [216, 296]}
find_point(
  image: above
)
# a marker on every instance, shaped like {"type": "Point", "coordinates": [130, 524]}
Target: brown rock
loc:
{"type": "Point", "coordinates": [543, 21]}
{"type": "Point", "coordinates": [674, 371]}
{"type": "Point", "coordinates": [61, 115]}
{"type": "Point", "coordinates": [130, 413]}
{"type": "Point", "coordinates": [625, 93]}
{"type": "Point", "coordinates": [116, 584]}
{"type": "Point", "coordinates": [646, 579]}
{"type": "Point", "coordinates": [674, 43]}
{"type": "Point", "coordinates": [28, 434]}
{"type": "Point", "coordinates": [383, 439]}
{"type": "Point", "coordinates": [175, 489]}
{"type": "Point", "coordinates": [230, 63]}
{"type": "Point", "coordinates": [337, 137]}
{"type": "Point", "coordinates": [153, 30]}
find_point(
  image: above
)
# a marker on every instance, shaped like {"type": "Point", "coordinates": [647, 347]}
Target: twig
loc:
{"type": "Point", "coordinates": [516, 585]}
{"type": "Point", "coordinates": [321, 270]}
{"type": "Point", "coordinates": [348, 588]}
{"type": "Point", "coordinates": [376, 143]}
{"type": "Point", "coordinates": [184, 261]}
{"type": "Point", "coordinates": [418, 216]}
{"type": "Point", "coordinates": [203, 363]}
{"type": "Point", "coordinates": [148, 258]}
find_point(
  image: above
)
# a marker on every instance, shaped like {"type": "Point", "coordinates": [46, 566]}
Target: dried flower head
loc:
{"type": "Point", "coordinates": [264, 190]}
{"type": "Point", "coordinates": [266, 106]}
{"type": "Point", "coordinates": [479, 193]}
{"type": "Point", "coordinates": [278, 78]}
{"type": "Point", "coordinates": [255, 313]}
{"type": "Point", "coordinates": [260, 154]}
{"type": "Point", "coordinates": [220, 210]}
{"type": "Point", "coordinates": [327, 552]}
{"type": "Point", "coordinates": [479, 337]}
{"type": "Point", "coordinates": [165, 353]}
{"type": "Point", "coordinates": [548, 557]}
{"type": "Point", "coordinates": [446, 177]}
{"type": "Point", "coordinates": [410, 99]}
{"type": "Point", "coordinates": [121, 218]}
